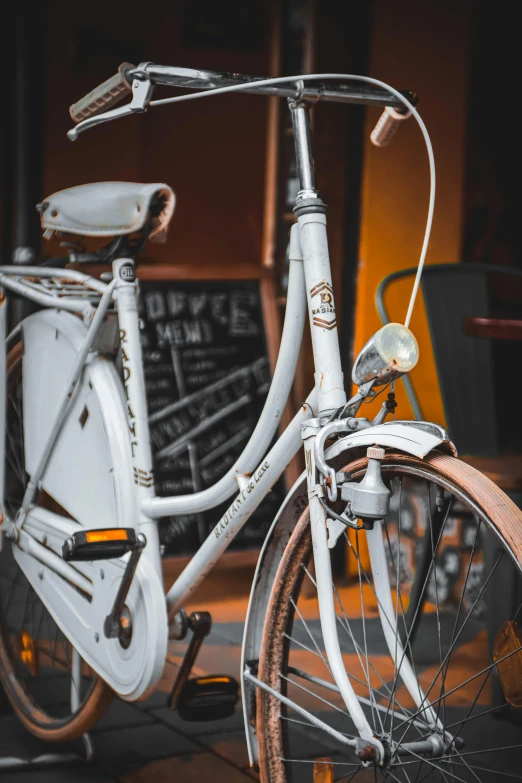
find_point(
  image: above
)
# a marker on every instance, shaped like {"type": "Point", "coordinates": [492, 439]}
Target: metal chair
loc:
{"type": "Point", "coordinates": [469, 368]}
{"type": "Point", "coordinates": [477, 367]}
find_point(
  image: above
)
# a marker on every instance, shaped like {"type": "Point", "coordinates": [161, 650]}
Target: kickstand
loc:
{"type": "Point", "coordinates": [55, 759]}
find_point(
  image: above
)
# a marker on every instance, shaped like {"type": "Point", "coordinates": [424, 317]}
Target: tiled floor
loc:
{"type": "Point", "coordinates": [134, 743]}
{"type": "Point", "coordinates": [142, 742]}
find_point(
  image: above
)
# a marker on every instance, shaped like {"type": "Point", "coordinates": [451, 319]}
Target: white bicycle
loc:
{"type": "Point", "coordinates": [399, 673]}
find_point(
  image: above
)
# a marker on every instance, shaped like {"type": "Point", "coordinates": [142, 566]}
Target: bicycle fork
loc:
{"type": "Point", "coordinates": [372, 749]}
{"type": "Point", "coordinates": [309, 243]}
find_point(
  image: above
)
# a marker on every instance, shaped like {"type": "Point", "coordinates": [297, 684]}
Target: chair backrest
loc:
{"type": "Point", "coordinates": [465, 365]}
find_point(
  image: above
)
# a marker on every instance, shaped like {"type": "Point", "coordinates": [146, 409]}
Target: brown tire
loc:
{"type": "Point", "coordinates": [471, 499]}
{"type": "Point", "coordinates": [22, 612]}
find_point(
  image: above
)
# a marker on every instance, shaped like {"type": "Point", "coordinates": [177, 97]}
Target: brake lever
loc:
{"type": "Point", "coordinates": [142, 89]}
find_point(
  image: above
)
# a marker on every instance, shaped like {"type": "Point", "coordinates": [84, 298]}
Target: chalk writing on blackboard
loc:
{"type": "Point", "coordinates": [206, 376]}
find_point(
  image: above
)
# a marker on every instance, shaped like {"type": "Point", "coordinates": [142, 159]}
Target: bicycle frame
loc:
{"type": "Point", "coordinates": [253, 480]}
{"type": "Point", "coordinates": [253, 475]}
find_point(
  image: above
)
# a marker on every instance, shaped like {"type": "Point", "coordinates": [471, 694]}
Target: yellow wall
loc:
{"type": "Point", "coordinates": [421, 46]}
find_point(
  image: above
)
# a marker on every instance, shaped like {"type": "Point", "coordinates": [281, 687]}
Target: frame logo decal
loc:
{"type": "Point", "coordinates": [127, 273]}
{"type": "Point", "coordinates": [142, 478]}
{"type": "Point", "coordinates": [237, 505]}
{"type": "Point", "coordinates": [326, 305]}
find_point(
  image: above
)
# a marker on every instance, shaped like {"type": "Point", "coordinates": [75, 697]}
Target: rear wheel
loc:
{"type": "Point", "coordinates": [454, 551]}
{"type": "Point", "coordinates": [53, 691]}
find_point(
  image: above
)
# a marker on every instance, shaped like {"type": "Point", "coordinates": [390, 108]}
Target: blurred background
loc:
{"type": "Point", "coordinates": [230, 163]}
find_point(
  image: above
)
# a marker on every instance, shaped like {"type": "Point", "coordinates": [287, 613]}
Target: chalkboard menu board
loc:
{"type": "Point", "coordinates": [207, 377]}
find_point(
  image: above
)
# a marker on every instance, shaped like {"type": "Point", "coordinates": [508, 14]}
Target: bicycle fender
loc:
{"type": "Point", "coordinates": [90, 474]}
{"type": "Point", "coordinates": [418, 438]}
{"type": "Point", "coordinates": [413, 437]}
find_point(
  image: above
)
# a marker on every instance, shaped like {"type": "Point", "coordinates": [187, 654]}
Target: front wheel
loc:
{"type": "Point", "coordinates": [454, 549]}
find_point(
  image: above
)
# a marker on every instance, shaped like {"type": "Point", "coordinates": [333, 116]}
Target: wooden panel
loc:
{"type": "Point", "coordinates": [212, 152]}
{"type": "Point", "coordinates": [406, 51]}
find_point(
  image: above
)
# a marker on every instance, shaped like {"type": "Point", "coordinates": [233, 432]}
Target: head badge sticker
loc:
{"type": "Point", "coordinates": [323, 311]}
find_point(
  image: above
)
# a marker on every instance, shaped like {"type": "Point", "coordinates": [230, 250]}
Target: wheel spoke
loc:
{"type": "Point", "coordinates": [315, 761]}
{"type": "Point", "coordinates": [319, 698]}
{"type": "Point", "coordinates": [445, 595]}
{"type": "Point", "coordinates": [314, 642]}
{"type": "Point", "coordinates": [423, 590]}
{"type": "Point", "coordinates": [396, 571]}
{"type": "Point", "coordinates": [435, 580]}
{"type": "Point", "coordinates": [436, 701]}
{"type": "Point", "coordinates": [484, 750]}
{"type": "Point", "coordinates": [332, 687]}
{"type": "Point", "coordinates": [446, 668]}
{"type": "Point", "coordinates": [493, 771]}
{"type": "Point", "coordinates": [349, 776]}
{"type": "Point", "coordinates": [347, 626]}
{"type": "Point", "coordinates": [365, 643]}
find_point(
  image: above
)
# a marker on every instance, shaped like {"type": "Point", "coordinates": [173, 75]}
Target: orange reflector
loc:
{"type": "Point", "coordinates": [210, 680]}
{"type": "Point", "coordinates": [95, 536]}
{"type": "Point", "coordinates": [27, 652]}
{"type": "Point", "coordinates": [323, 770]}
{"type": "Point", "coordinates": [507, 654]}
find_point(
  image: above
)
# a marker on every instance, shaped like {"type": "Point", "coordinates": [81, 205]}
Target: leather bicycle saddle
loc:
{"type": "Point", "coordinates": [109, 209]}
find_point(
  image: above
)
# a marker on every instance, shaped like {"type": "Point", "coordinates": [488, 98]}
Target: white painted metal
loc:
{"type": "Point", "coordinates": [131, 672]}
{"type": "Point", "coordinates": [276, 540]}
{"type": "Point", "coordinates": [80, 471]}
{"type": "Point", "coordinates": [126, 296]}
{"type": "Point", "coordinates": [387, 615]}
{"type": "Point", "coordinates": [73, 304]}
{"type": "Point", "coordinates": [329, 380]}
{"type": "Point", "coordinates": [49, 530]}
{"type": "Point", "coordinates": [42, 555]}
{"type": "Point", "coordinates": [325, 595]}
{"type": "Point", "coordinates": [90, 474]}
{"type": "Point", "coordinates": [266, 427]}
{"type": "Point", "coordinates": [37, 467]}
{"type": "Point", "coordinates": [9, 272]}
{"type": "Point", "coordinates": [261, 481]}
{"type": "Point", "coordinates": [409, 438]}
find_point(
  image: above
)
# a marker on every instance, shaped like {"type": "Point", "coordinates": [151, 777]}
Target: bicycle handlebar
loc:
{"type": "Point", "coordinates": [188, 78]}
{"type": "Point", "coordinates": [91, 109]}
{"type": "Point", "coordinates": [104, 96]}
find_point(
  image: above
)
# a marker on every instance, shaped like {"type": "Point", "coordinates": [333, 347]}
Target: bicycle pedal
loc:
{"type": "Point", "coordinates": [208, 698]}
{"type": "Point", "coordinates": [99, 544]}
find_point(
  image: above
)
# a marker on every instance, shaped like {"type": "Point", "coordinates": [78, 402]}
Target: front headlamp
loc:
{"type": "Point", "coordinates": [391, 352]}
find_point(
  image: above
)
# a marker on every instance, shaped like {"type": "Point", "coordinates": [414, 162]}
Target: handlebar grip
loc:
{"type": "Point", "coordinates": [387, 126]}
{"type": "Point", "coordinates": [104, 96]}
